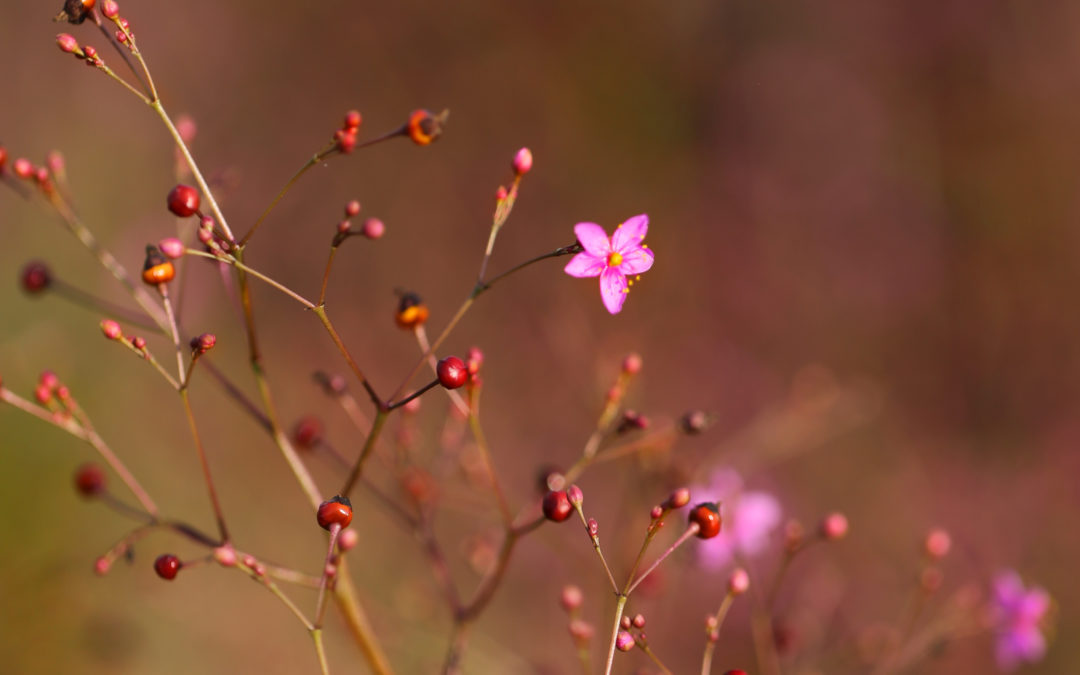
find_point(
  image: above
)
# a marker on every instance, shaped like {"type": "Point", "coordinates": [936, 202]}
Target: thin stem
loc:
{"type": "Point", "coordinates": [359, 625]}
{"type": "Point", "coordinates": [174, 333]}
{"type": "Point", "coordinates": [320, 651]}
{"type": "Point", "coordinates": [320, 311]}
{"type": "Point", "coordinates": [119, 50]}
{"type": "Point", "coordinates": [255, 273]}
{"type": "Point", "coordinates": [179, 140]}
{"type": "Point", "coordinates": [147, 356]}
{"type": "Point", "coordinates": [415, 394]}
{"type": "Point", "coordinates": [620, 604]}
{"type": "Point", "coordinates": [328, 565]}
{"type": "Point", "coordinates": [714, 633]}
{"type": "Point", "coordinates": [218, 513]}
{"type": "Point", "coordinates": [100, 305]}
{"type": "Point", "coordinates": [653, 657]}
{"type": "Point", "coordinates": [596, 547]}
{"type": "Point", "coordinates": [326, 274]}
{"type": "Point", "coordinates": [315, 159]}
{"type": "Point", "coordinates": [100, 65]}
{"type": "Point", "coordinates": [485, 453]}
{"type": "Point", "coordinates": [369, 445]}
{"type": "Point", "coordinates": [690, 532]}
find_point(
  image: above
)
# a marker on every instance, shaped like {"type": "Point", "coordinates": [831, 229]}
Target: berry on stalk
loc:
{"type": "Point", "coordinates": [157, 269]}
{"type": "Point", "coordinates": [183, 201]}
{"type": "Point", "coordinates": [167, 565]}
{"type": "Point", "coordinates": [707, 517]}
{"type": "Point", "coordinates": [90, 480]}
{"type": "Point", "coordinates": [411, 311]}
{"type": "Point", "coordinates": [423, 127]}
{"type": "Point", "coordinates": [556, 506]}
{"type": "Point", "coordinates": [336, 510]}
{"type": "Point", "coordinates": [452, 372]}
{"type": "Point", "coordinates": [35, 277]}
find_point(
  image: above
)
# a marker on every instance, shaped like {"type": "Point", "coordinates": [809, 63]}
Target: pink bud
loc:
{"type": "Point", "coordinates": [739, 581]}
{"type": "Point", "coordinates": [101, 566]}
{"type": "Point", "coordinates": [834, 526]}
{"type": "Point", "coordinates": [581, 631]}
{"type": "Point", "coordinates": [631, 365]}
{"type": "Point", "coordinates": [138, 343]}
{"type": "Point", "coordinates": [624, 642]}
{"type": "Point", "coordinates": [343, 227]}
{"type": "Point", "coordinates": [638, 621]}
{"type": "Point", "coordinates": [225, 555]}
{"type": "Point", "coordinates": [348, 540]}
{"type": "Point", "coordinates": [523, 161]}
{"type": "Point", "coordinates": [594, 527]}
{"type": "Point", "coordinates": [171, 247]}
{"type": "Point", "coordinates": [110, 9]}
{"type": "Point", "coordinates": [49, 379]}
{"type": "Point", "coordinates": [373, 228]}
{"type": "Point", "coordinates": [571, 598]}
{"type": "Point", "coordinates": [249, 561]}
{"type": "Point", "coordinates": [43, 394]}
{"type": "Point", "coordinates": [500, 194]}
{"type": "Point", "coordinates": [679, 498]}
{"type": "Point", "coordinates": [938, 542]}
{"type": "Point", "coordinates": [345, 139]}
{"type": "Point", "coordinates": [111, 329]}
{"type": "Point", "coordinates": [22, 168]}
{"type": "Point", "coordinates": [412, 407]}
{"type": "Point", "coordinates": [203, 343]}
{"type": "Point", "coordinates": [67, 43]}
{"type": "Point", "coordinates": [656, 512]}
{"type": "Point", "coordinates": [574, 494]}
{"type": "Point", "coordinates": [352, 209]}
{"type": "Point", "coordinates": [55, 162]}
{"type": "Point", "coordinates": [353, 119]}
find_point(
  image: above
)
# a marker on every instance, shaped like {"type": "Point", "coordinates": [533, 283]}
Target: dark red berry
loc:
{"type": "Point", "coordinates": [35, 277]}
{"type": "Point", "coordinates": [707, 517]}
{"type": "Point", "coordinates": [89, 480]}
{"type": "Point", "coordinates": [308, 432]}
{"type": "Point", "coordinates": [167, 565]}
{"type": "Point", "coordinates": [353, 119]}
{"type": "Point", "coordinates": [557, 506]}
{"type": "Point", "coordinates": [183, 201]}
{"type": "Point", "coordinates": [3, 156]}
{"type": "Point", "coordinates": [337, 510]}
{"type": "Point", "coordinates": [452, 372]}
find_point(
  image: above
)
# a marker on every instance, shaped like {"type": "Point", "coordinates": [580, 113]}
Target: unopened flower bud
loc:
{"type": "Point", "coordinates": [523, 161]}
{"type": "Point", "coordinates": [348, 540]}
{"type": "Point", "coordinates": [110, 9]}
{"type": "Point", "coordinates": [694, 422]}
{"type": "Point", "coordinates": [624, 642]}
{"type": "Point", "coordinates": [678, 499]}
{"type": "Point", "coordinates": [138, 343]}
{"type": "Point", "coordinates": [582, 631]}
{"type": "Point", "coordinates": [22, 168]}
{"type": "Point", "coordinates": [111, 329]}
{"type": "Point", "coordinates": [35, 277]}
{"type": "Point", "coordinates": [739, 581]}
{"type": "Point", "coordinates": [593, 527]}
{"type": "Point", "coordinates": [308, 432]}
{"type": "Point", "coordinates": [937, 544]}
{"type": "Point", "coordinates": [638, 621]}
{"type": "Point", "coordinates": [352, 209]}
{"type": "Point", "coordinates": [834, 526]}
{"type": "Point", "coordinates": [574, 494]}
{"type": "Point", "coordinates": [225, 555]}
{"type": "Point", "coordinates": [373, 228]}
{"type": "Point", "coordinates": [67, 43]}
{"type": "Point", "coordinates": [631, 364]}
{"type": "Point", "coordinates": [571, 598]}
{"type": "Point", "coordinates": [203, 343]}
{"type": "Point", "coordinates": [353, 119]}
{"type": "Point", "coordinates": [172, 247]}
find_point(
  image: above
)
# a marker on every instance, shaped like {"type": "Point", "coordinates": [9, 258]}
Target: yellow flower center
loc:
{"type": "Point", "coordinates": [614, 259]}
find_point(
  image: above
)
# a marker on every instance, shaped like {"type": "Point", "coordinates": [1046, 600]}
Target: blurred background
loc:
{"type": "Point", "coordinates": [865, 224]}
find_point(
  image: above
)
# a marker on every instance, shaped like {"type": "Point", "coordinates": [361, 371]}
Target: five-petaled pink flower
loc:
{"type": "Point", "coordinates": [1019, 614]}
{"type": "Point", "coordinates": [612, 259]}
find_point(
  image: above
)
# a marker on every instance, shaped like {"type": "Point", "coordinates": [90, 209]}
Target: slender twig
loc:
{"type": "Point", "coordinates": [218, 513]}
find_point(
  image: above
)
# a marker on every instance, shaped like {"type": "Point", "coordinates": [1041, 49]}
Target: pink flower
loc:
{"type": "Point", "coordinates": [612, 259]}
{"type": "Point", "coordinates": [1019, 614]}
{"type": "Point", "coordinates": [750, 517]}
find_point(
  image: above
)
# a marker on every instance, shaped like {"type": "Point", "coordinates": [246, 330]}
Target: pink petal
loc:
{"type": "Point", "coordinates": [636, 261]}
{"type": "Point", "coordinates": [630, 234]}
{"type": "Point", "coordinates": [613, 289]}
{"type": "Point", "coordinates": [585, 265]}
{"type": "Point", "coordinates": [593, 238]}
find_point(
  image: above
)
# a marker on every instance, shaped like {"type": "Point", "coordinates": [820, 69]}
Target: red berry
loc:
{"type": "Point", "coordinates": [353, 119]}
{"type": "Point", "coordinates": [557, 506]}
{"type": "Point", "coordinates": [308, 432]}
{"type": "Point", "coordinates": [452, 372]}
{"type": "Point", "coordinates": [183, 200]}
{"type": "Point", "coordinates": [167, 565]}
{"type": "Point", "coordinates": [522, 161]}
{"type": "Point", "coordinates": [35, 277]}
{"type": "Point", "coordinates": [337, 510]}
{"type": "Point", "coordinates": [735, 672]}
{"type": "Point", "coordinates": [90, 480]}
{"type": "Point", "coordinates": [707, 517]}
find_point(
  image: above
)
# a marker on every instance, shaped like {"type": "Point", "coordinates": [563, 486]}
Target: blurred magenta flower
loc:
{"type": "Point", "coordinates": [1019, 615]}
{"type": "Point", "coordinates": [749, 517]}
{"type": "Point", "coordinates": [612, 259]}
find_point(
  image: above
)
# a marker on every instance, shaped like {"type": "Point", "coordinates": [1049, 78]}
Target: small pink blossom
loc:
{"type": "Point", "coordinates": [612, 259]}
{"type": "Point", "coordinates": [1019, 615]}
{"type": "Point", "coordinates": [750, 517]}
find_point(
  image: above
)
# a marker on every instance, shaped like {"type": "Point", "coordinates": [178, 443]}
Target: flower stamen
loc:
{"type": "Point", "coordinates": [614, 259]}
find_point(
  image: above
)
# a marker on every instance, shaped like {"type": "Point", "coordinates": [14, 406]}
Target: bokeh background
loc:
{"type": "Point", "coordinates": [865, 220]}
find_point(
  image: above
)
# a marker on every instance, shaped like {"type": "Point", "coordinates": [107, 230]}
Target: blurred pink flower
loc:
{"type": "Point", "coordinates": [612, 259]}
{"type": "Point", "coordinates": [1019, 614]}
{"type": "Point", "coordinates": [749, 518]}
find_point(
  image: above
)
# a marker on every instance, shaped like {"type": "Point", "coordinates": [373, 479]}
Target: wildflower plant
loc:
{"type": "Point", "coordinates": [732, 529]}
